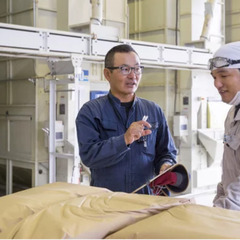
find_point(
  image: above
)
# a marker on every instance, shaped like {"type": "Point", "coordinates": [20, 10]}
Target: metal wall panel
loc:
{"type": "Point", "coordinates": [79, 13]}
{"type": "Point", "coordinates": [24, 18]}
{"type": "Point", "coordinates": [22, 68]}
{"type": "Point", "coordinates": [8, 38]}
{"type": "Point", "coordinates": [3, 91]}
{"type": "Point", "coordinates": [20, 127]}
{"type": "Point", "coordinates": [3, 70]}
{"type": "Point", "coordinates": [21, 5]}
{"type": "Point", "coordinates": [3, 8]}
{"type": "Point", "coordinates": [115, 10]}
{"type": "Point", "coordinates": [47, 18]}
{"type": "Point", "coordinates": [22, 93]}
{"type": "Point", "coordinates": [232, 20]}
{"type": "Point", "coordinates": [3, 135]}
{"type": "Point", "coordinates": [49, 5]}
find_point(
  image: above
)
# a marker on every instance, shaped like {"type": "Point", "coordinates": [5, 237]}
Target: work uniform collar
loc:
{"type": "Point", "coordinates": [237, 117]}
{"type": "Point", "coordinates": [118, 102]}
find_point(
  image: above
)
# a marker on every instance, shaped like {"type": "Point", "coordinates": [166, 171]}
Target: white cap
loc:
{"type": "Point", "coordinates": [231, 51]}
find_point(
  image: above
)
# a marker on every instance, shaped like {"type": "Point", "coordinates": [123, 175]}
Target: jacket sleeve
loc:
{"type": "Point", "coordinates": [95, 152]}
{"type": "Point", "coordinates": [165, 148]}
{"type": "Point", "coordinates": [230, 199]}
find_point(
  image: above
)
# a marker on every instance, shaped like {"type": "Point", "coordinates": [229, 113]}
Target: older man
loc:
{"type": "Point", "coordinates": [225, 70]}
{"type": "Point", "coordinates": [123, 139]}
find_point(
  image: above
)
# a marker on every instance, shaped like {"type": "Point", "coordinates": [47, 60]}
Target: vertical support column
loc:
{"type": "Point", "coordinates": [77, 63]}
{"type": "Point", "coordinates": [52, 131]}
{"type": "Point", "coordinates": [9, 178]}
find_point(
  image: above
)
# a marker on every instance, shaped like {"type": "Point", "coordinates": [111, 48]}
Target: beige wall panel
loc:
{"type": "Point", "coordinates": [154, 36]}
{"type": "Point", "coordinates": [21, 5]}
{"type": "Point", "coordinates": [232, 34]}
{"type": "Point", "coordinates": [185, 78]}
{"type": "Point", "coordinates": [153, 77]}
{"type": "Point", "coordinates": [41, 68]}
{"type": "Point", "coordinates": [22, 93]}
{"type": "Point", "coordinates": [62, 15]}
{"type": "Point", "coordinates": [3, 91]}
{"type": "Point", "coordinates": [186, 7]}
{"type": "Point", "coordinates": [23, 68]}
{"type": "Point", "coordinates": [25, 18]}
{"type": "Point", "coordinates": [233, 18]}
{"type": "Point", "coordinates": [47, 19]}
{"type": "Point", "coordinates": [158, 95]}
{"type": "Point", "coordinates": [232, 5]}
{"type": "Point", "coordinates": [3, 7]}
{"type": "Point", "coordinates": [186, 30]}
{"type": "Point", "coordinates": [191, 20]}
{"type": "Point", "coordinates": [50, 5]}
{"type": "Point", "coordinates": [146, 15]}
{"type": "Point", "coordinates": [155, 94]}
{"type": "Point", "coordinates": [171, 13]}
{"type": "Point", "coordinates": [79, 13]}
{"type": "Point", "coordinates": [3, 19]}
{"type": "Point", "coordinates": [42, 113]}
{"type": "Point", "coordinates": [20, 137]}
{"type": "Point", "coordinates": [3, 136]}
{"type": "Point", "coordinates": [132, 17]}
{"type": "Point", "coordinates": [3, 70]}
{"type": "Point", "coordinates": [152, 14]}
{"type": "Point", "coordinates": [115, 10]}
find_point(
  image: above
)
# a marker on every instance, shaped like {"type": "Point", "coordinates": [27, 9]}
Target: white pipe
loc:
{"type": "Point", "coordinates": [97, 10]}
{"type": "Point", "coordinates": [209, 11]}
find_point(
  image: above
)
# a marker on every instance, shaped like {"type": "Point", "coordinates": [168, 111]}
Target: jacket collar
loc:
{"type": "Point", "coordinates": [118, 102]}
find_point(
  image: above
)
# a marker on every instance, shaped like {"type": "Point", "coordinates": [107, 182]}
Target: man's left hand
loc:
{"type": "Point", "coordinates": [164, 167]}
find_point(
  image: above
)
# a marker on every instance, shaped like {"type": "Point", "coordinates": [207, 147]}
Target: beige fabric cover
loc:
{"type": "Point", "coordinates": [63, 210]}
{"type": "Point", "coordinates": [185, 222]}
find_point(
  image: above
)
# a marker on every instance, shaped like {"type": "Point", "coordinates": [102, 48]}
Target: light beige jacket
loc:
{"type": "Point", "coordinates": [228, 190]}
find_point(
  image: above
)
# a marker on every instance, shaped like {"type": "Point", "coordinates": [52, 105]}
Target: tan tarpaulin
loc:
{"type": "Point", "coordinates": [63, 210]}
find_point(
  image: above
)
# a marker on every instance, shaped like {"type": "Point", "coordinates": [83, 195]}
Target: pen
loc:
{"type": "Point", "coordinates": [145, 117]}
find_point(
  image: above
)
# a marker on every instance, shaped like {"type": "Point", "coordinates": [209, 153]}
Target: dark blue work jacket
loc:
{"type": "Point", "coordinates": [101, 124]}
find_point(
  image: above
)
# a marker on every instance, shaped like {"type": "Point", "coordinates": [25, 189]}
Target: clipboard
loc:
{"type": "Point", "coordinates": [179, 168]}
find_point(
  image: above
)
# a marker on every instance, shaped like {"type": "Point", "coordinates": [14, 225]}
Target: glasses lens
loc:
{"type": "Point", "coordinates": [125, 70]}
{"type": "Point", "coordinates": [138, 69]}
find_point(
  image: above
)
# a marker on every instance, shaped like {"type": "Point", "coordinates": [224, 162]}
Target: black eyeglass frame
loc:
{"type": "Point", "coordinates": [227, 60]}
{"type": "Point", "coordinates": [130, 69]}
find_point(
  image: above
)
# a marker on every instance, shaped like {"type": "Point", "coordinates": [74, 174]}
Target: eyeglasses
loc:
{"type": "Point", "coordinates": [219, 62]}
{"type": "Point", "coordinates": [125, 69]}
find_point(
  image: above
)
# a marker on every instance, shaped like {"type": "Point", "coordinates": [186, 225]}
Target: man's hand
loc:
{"type": "Point", "coordinates": [164, 167]}
{"type": "Point", "coordinates": [136, 130]}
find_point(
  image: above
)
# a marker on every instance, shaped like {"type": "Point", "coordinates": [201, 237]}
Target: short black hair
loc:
{"type": "Point", "coordinates": [122, 48]}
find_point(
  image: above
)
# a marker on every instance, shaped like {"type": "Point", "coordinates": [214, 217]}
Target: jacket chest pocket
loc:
{"type": "Point", "coordinates": [232, 138]}
{"type": "Point", "coordinates": [108, 129]}
{"type": "Point", "coordinates": [149, 142]}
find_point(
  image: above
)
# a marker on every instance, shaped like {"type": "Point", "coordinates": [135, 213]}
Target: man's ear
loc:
{"type": "Point", "coordinates": [107, 73]}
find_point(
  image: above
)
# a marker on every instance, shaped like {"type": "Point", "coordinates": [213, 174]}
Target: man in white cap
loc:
{"type": "Point", "coordinates": [225, 69]}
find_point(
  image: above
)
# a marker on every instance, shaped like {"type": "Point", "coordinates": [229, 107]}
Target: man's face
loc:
{"type": "Point", "coordinates": [227, 82]}
{"type": "Point", "coordinates": [123, 86]}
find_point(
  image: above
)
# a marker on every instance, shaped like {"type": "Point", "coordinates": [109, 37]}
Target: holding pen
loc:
{"type": "Point", "coordinates": [145, 118]}
{"type": "Point", "coordinates": [137, 130]}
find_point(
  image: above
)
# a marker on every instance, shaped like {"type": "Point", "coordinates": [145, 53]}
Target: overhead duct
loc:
{"type": "Point", "coordinates": [97, 9]}
{"type": "Point", "coordinates": [209, 11]}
